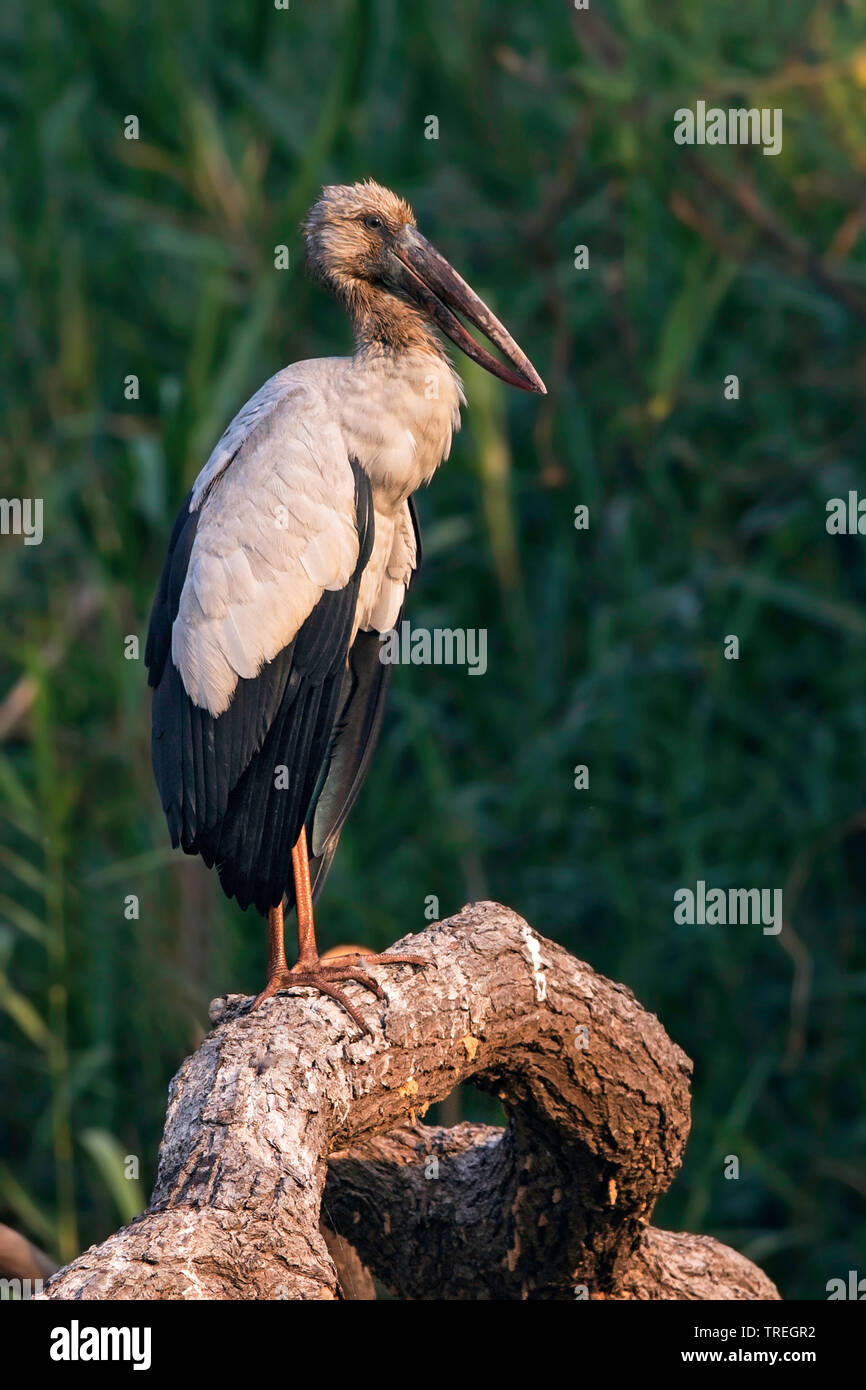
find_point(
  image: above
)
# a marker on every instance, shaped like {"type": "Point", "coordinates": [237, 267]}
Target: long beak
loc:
{"type": "Point", "coordinates": [436, 288]}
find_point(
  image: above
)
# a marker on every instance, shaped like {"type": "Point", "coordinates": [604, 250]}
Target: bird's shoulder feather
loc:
{"type": "Point", "coordinates": [276, 527]}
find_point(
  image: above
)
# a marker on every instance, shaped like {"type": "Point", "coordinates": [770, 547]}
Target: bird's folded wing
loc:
{"type": "Point", "coordinates": [276, 528]}
{"type": "Point", "coordinates": [253, 616]}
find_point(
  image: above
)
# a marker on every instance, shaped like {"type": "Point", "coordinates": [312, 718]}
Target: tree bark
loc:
{"type": "Point", "coordinates": [286, 1117]}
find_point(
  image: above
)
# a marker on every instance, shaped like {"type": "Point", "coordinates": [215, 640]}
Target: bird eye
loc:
{"type": "Point", "coordinates": [373, 222]}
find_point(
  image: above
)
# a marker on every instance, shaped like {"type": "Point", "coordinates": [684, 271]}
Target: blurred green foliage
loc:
{"type": "Point", "coordinates": [155, 257]}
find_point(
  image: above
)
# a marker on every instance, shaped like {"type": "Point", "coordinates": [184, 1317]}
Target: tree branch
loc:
{"type": "Point", "coordinates": [286, 1114]}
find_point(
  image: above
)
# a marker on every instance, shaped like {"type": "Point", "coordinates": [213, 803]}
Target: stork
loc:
{"type": "Point", "coordinates": [290, 556]}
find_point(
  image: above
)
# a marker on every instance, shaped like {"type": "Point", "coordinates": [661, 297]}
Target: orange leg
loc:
{"type": "Point", "coordinates": [276, 944]}
{"type": "Point", "coordinates": [307, 951]}
{"type": "Point", "coordinates": [310, 972]}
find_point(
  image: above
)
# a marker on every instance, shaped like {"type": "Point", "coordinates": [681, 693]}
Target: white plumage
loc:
{"type": "Point", "coordinates": [276, 524]}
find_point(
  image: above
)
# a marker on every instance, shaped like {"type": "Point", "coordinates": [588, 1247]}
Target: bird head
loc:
{"type": "Point", "coordinates": [363, 244]}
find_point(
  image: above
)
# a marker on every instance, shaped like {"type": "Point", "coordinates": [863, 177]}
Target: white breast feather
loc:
{"type": "Point", "coordinates": [390, 568]}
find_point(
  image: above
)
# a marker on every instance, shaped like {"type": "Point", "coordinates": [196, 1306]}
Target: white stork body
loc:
{"type": "Point", "coordinates": [276, 520]}
{"type": "Point", "coordinates": [291, 555]}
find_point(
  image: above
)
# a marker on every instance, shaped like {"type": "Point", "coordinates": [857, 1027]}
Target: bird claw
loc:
{"type": "Point", "coordinates": [326, 976]}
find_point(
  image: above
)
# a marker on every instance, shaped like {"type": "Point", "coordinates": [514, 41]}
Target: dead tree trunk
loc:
{"type": "Point", "coordinates": [285, 1118]}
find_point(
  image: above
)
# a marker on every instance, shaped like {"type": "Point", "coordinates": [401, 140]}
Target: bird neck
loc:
{"type": "Point", "coordinates": [382, 322]}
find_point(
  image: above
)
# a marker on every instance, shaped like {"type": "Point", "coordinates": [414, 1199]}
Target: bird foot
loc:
{"type": "Point", "coordinates": [327, 976]}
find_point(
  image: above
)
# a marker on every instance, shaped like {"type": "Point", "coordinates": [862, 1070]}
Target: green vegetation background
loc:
{"type": "Point", "coordinates": [707, 517]}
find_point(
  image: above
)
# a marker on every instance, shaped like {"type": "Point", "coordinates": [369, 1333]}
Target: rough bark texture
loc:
{"type": "Point", "coordinates": [286, 1115]}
